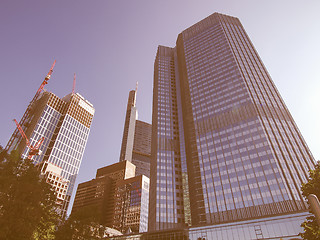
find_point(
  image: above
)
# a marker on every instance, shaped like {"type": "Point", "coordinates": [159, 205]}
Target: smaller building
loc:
{"type": "Point", "coordinates": [121, 199]}
{"type": "Point", "coordinates": [131, 209]}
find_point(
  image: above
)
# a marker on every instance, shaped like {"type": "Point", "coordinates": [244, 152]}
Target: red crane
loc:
{"type": "Point", "coordinates": [45, 81]}
{"type": "Point", "coordinates": [25, 118]}
{"type": "Point", "coordinates": [34, 150]}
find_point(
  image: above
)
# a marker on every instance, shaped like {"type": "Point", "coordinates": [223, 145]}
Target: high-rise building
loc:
{"type": "Point", "coordinates": [120, 192]}
{"type": "Point", "coordinates": [65, 125]}
{"type": "Point", "coordinates": [136, 140]}
{"type": "Point", "coordinates": [224, 146]}
{"type": "Point", "coordinates": [129, 128]}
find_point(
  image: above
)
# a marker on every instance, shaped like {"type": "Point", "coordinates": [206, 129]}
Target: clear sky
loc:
{"type": "Point", "coordinates": [111, 44]}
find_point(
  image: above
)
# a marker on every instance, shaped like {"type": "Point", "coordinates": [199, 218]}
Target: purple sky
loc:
{"type": "Point", "coordinates": [112, 44]}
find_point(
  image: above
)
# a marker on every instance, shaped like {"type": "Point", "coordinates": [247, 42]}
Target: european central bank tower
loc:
{"type": "Point", "coordinates": [224, 145]}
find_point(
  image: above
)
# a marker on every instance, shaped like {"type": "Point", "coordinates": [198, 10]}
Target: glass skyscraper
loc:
{"type": "Point", "coordinates": [224, 145]}
{"type": "Point", "coordinates": [65, 125]}
{"type": "Point", "coordinates": [129, 128]}
{"type": "Point", "coordinates": [136, 140]}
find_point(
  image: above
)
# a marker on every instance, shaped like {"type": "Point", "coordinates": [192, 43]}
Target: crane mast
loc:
{"type": "Point", "coordinates": [26, 115]}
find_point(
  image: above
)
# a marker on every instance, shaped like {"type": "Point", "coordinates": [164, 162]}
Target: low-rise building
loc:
{"type": "Point", "coordinates": [120, 198]}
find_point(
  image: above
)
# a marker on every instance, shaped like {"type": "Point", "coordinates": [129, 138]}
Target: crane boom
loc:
{"type": "Point", "coordinates": [22, 132]}
{"type": "Point", "coordinates": [45, 81]}
{"type": "Point", "coordinates": [34, 150]}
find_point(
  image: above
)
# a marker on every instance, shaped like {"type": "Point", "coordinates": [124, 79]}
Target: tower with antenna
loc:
{"type": "Point", "coordinates": [129, 127]}
{"type": "Point", "coordinates": [136, 140]}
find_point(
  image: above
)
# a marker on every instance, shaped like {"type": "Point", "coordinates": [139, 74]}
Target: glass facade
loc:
{"type": "Point", "coordinates": [45, 128]}
{"type": "Point", "coordinates": [224, 145]}
{"type": "Point", "coordinates": [131, 210]}
{"type": "Point", "coordinates": [166, 196]}
{"type": "Point", "coordinates": [285, 227]}
{"type": "Point", "coordinates": [273, 228]}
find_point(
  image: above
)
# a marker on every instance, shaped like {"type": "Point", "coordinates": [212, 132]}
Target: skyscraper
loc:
{"type": "Point", "coordinates": [120, 191]}
{"type": "Point", "coordinates": [136, 140]}
{"type": "Point", "coordinates": [129, 128]}
{"type": "Point", "coordinates": [224, 145]}
{"type": "Point", "coordinates": [65, 125]}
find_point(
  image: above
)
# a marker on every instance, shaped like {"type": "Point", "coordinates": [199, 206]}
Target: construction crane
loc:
{"type": "Point", "coordinates": [45, 81]}
{"type": "Point", "coordinates": [25, 118]}
{"type": "Point", "coordinates": [34, 150]}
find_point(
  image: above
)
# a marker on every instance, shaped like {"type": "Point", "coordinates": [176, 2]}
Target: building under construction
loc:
{"type": "Point", "coordinates": [58, 128]}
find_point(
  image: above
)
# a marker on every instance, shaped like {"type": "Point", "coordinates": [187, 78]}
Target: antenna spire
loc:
{"type": "Point", "coordinates": [135, 95]}
{"type": "Point", "coordinates": [74, 83]}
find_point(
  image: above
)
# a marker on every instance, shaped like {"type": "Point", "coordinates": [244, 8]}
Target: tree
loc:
{"type": "Point", "coordinates": [27, 203]}
{"type": "Point", "coordinates": [81, 225]}
{"type": "Point", "coordinates": [311, 228]}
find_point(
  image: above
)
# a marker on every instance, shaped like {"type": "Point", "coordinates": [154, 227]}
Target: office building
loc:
{"type": "Point", "coordinates": [132, 205]}
{"type": "Point", "coordinates": [141, 153]}
{"type": "Point", "coordinates": [136, 140]}
{"type": "Point", "coordinates": [116, 197]}
{"type": "Point", "coordinates": [65, 125]}
{"type": "Point", "coordinates": [99, 193]}
{"type": "Point", "coordinates": [225, 148]}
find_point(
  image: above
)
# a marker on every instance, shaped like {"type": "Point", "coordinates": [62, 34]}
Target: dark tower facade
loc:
{"type": "Point", "coordinates": [141, 153]}
{"type": "Point", "coordinates": [221, 132]}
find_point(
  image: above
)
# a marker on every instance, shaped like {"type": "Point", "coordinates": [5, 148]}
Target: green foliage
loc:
{"type": "Point", "coordinates": [311, 229]}
{"type": "Point", "coordinates": [26, 201]}
{"type": "Point", "coordinates": [81, 225]}
{"type": "Point", "coordinates": [313, 184]}
{"type": "Point", "coordinates": [310, 226]}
